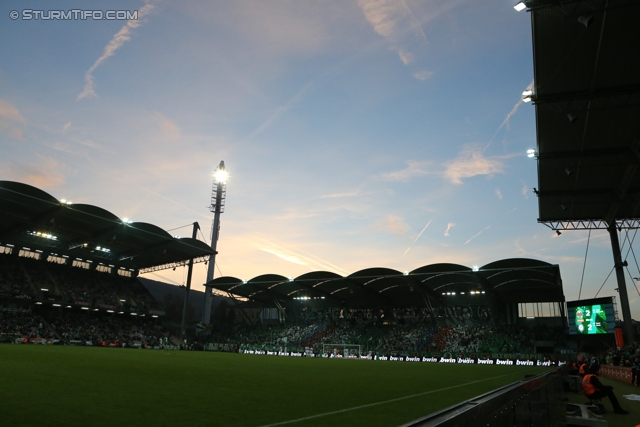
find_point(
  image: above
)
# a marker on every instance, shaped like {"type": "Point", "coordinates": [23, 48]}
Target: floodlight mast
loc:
{"type": "Point", "coordinates": [218, 196]}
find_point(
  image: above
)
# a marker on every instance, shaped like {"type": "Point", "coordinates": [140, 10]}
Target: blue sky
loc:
{"type": "Point", "coordinates": [347, 128]}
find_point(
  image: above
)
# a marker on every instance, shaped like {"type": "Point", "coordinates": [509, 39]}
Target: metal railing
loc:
{"type": "Point", "coordinates": [532, 402]}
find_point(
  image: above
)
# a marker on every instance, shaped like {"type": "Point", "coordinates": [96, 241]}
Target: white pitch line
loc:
{"type": "Point", "coordinates": [368, 405]}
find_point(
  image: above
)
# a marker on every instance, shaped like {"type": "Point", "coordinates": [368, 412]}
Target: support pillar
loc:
{"type": "Point", "coordinates": [629, 332]}
{"type": "Point", "coordinates": [196, 227]}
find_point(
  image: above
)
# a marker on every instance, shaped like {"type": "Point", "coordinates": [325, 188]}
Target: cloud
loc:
{"type": "Point", "coordinates": [45, 173]}
{"type": "Point", "coordinates": [525, 192]}
{"type": "Point", "coordinates": [122, 36]}
{"type": "Point", "coordinates": [393, 223]}
{"type": "Point", "coordinates": [477, 234]}
{"type": "Point", "coordinates": [11, 121]}
{"type": "Point", "coordinates": [280, 254]}
{"type": "Point", "coordinates": [406, 57]}
{"type": "Point", "coordinates": [498, 193]}
{"type": "Point", "coordinates": [170, 129]}
{"type": "Point", "coordinates": [422, 75]}
{"type": "Point", "coordinates": [412, 170]}
{"type": "Point", "coordinates": [450, 225]}
{"type": "Point", "coordinates": [295, 214]}
{"type": "Point", "coordinates": [340, 195]}
{"type": "Point", "coordinates": [471, 162]}
{"type": "Point", "coordinates": [66, 127]}
{"type": "Point", "coordinates": [296, 257]}
{"type": "Point", "coordinates": [393, 19]}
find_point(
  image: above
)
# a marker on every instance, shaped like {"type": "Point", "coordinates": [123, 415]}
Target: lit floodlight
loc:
{"type": "Point", "coordinates": [109, 311]}
{"type": "Point", "coordinates": [155, 316]}
{"type": "Point", "coordinates": [520, 6]}
{"type": "Point", "coordinates": [461, 293]}
{"type": "Point", "coordinates": [527, 95]}
{"type": "Point", "coordinates": [84, 308]}
{"type": "Point", "coordinates": [221, 175]}
{"type": "Point", "coordinates": [475, 268]}
{"type": "Point", "coordinates": [38, 303]}
{"type": "Point", "coordinates": [56, 305]}
{"type": "Point", "coordinates": [44, 289]}
{"type": "Point", "coordinates": [531, 153]}
{"type": "Point", "coordinates": [68, 306]}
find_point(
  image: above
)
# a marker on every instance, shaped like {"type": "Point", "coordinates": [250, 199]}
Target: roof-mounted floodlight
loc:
{"type": "Point", "coordinates": [520, 6]}
{"type": "Point", "coordinates": [527, 95]}
{"type": "Point", "coordinates": [531, 153]}
{"type": "Point", "coordinates": [475, 268]}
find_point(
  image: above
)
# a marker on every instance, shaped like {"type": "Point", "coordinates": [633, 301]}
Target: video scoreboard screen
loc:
{"type": "Point", "coordinates": [591, 317]}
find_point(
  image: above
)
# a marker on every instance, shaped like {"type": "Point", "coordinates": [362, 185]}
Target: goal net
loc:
{"type": "Point", "coordinates": [344, 350]}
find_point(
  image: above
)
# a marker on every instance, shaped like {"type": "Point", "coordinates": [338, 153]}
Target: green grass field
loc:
{"type": "Point", "coordinates": [73, 386]}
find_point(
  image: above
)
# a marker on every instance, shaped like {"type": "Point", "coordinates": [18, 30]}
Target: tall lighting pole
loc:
{"type": "Point", "coordinates": [218, 196]}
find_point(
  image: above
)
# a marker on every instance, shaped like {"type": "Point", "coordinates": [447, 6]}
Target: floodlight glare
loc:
{"type": "Point", "coordinates": [531, 153]}
{"type": "Point", "coordinates": [221, 175]}
{"type": "Point", "coordinates": [475, 268]}
{"type": "Point", "coordinates": [520, 6]}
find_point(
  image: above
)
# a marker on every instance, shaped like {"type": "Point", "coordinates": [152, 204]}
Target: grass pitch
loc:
{"type": "Point", "coordinates": [79, 386]}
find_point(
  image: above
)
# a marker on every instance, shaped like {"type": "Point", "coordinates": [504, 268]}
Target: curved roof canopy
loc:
{"type": "Point", "coordinates": [31, 218]}
{"type": "Point", "coordinates": [509, 280]}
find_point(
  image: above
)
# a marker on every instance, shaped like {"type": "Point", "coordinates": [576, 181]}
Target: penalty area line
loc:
{"type": "Point", "coordinates": [368, 405]}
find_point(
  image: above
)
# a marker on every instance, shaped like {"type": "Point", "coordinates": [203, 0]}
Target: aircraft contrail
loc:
{"type": "Point", "coordinates": [425, 227]}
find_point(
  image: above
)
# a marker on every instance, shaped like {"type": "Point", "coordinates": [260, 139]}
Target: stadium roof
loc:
{"type": "Point", "coordinates": [33, 219]}
{"type": "Point", "coordinates": [587, 98]}
{"type": "Point", "coordinates": [513, 280]}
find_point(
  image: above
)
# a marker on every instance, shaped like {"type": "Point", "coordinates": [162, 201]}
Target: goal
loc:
{"type": "Point", "coordinates": [344, 350]}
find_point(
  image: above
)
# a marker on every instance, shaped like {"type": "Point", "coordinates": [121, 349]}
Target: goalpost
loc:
{"type": "Point", "coordinates": [344, 350]}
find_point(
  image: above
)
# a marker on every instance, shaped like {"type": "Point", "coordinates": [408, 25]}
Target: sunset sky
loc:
{"type": "Point", "coordinates": [357, 133]}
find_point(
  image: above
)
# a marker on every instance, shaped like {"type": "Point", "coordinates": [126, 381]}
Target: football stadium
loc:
{"type": "Point", "coordinates": [85, 339]}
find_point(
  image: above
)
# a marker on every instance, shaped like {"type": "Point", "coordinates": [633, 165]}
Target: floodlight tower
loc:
{"type": "Point", "coordinates": [218, 196]}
